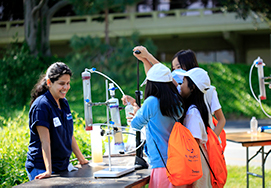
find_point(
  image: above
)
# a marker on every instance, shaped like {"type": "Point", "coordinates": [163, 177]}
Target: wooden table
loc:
{"type": "Point", "coordinates": [248, 140]}
{"type": "Point", "coordinates": [83, 178]}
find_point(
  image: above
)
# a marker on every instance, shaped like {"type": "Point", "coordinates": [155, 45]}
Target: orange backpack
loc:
{"type": "Point", "coordinates": [184, 161]}
{"type": "Point", "coordinates": [222, 136]}
{"type": "Point", "coordinates": [217, 164]}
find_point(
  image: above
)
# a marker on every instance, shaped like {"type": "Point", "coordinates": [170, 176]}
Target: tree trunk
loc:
{"type": "Point", "coordinates": [37, 16]}
{"type": "Point", "coordinates": [106, 26]}
{"type": "Point", "coordinates": [30, 25]}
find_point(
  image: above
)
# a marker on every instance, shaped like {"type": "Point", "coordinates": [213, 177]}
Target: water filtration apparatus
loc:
{"type": "Point", "coordinates": [115, 118]}
{"type": "Point", "coordinates": [259, 64]}
{"type": "Point", "coordinates": [113, 127]}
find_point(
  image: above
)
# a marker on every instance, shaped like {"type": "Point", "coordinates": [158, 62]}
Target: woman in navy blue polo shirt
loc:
{"type": "Point", "coordinates": [51, 125]}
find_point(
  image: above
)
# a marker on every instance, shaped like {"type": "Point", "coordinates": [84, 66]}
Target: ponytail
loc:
{"type": "Point", "coordinates": [39, 89]}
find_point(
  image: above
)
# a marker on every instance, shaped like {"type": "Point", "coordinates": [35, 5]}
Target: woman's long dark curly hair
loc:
{"type": "Point", "coordinates": [54, 72]}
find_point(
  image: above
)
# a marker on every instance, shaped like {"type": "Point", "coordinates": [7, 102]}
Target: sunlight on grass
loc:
{"type": "Point", "coordinates": [237, 177]}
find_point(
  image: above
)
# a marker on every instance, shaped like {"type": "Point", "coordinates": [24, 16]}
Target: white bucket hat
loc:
{"type": "Point", "coordinates": [200, 78]}
{"type": "Point", "coordinates": [177, 75]}
{"type": "Point", "coordinates": [158, 73]}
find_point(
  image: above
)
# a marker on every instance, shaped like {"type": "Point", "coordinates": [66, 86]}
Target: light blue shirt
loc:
{"type": "Point", "coordinates": [158, 128]}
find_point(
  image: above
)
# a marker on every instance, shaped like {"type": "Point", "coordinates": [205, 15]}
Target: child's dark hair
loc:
{"type": "Point", "coordinates": [54, 72]}
{"type": "Point", "coordinates": [197, 98]}
{"type": "Point", "coordinates": [187, 59]}
{"type": "Point", "coordinates": [171, 102]}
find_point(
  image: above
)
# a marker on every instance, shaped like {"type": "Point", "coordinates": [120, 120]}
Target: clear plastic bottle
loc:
{"type": "Point", "coordinates": [129, 109]}
{"type": "Point", "coordinates": [115, 117]}
{"type": "Point", "coordinates": [114, 106]}
{"type": "Point", "coordinates": [253, 125]}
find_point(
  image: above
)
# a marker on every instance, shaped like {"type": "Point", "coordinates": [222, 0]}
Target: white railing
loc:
{"type": "Point", "coordinates": [121, 16]}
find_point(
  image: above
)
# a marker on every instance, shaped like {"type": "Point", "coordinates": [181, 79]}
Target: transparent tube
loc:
{"type": "Point", "coordinates": [87, 100]}
{"type": "Point", "coordinates": [260, 65]}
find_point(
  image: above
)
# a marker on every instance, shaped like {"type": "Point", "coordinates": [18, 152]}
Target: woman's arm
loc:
{"type": "Point", "coordinates": [46, 151]}
{"type": "Point", "coordinates": [77, 152]}
{"type": "Point", "coordinates": [221, 121]}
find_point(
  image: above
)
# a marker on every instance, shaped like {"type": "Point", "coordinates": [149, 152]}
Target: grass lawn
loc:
{"type": "Point", "coordinates": [237, 177]}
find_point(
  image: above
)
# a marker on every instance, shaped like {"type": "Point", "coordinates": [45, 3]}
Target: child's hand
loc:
{"type": "Point", "coordinates": [127, 99]}
{"type": "Point", "coordinates": [144, 53]}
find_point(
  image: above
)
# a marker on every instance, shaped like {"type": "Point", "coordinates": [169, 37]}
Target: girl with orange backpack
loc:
{"type": "Point", "coordinates": [162, 105]}
{"type": "Point", "coordinates": [195, 84]}
{"type": "Point", "coordinates": [186, 60]}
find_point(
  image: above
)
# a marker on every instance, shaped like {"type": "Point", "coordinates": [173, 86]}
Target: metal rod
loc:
{"type": "Point", "coordinates": [247, 168]}
{"type": "Point", "coordinates": [255, 155]}
{"type": "Point", "coordinates": [263, 174]}
{"type": "Point", "coordinates": [107, 116]}
{"type": "Point", "coordinates": [139, 152]}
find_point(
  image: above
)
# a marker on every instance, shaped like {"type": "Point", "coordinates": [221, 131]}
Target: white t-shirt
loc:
{"type": "Point", "coordinates": [212, 99]}
{"type": "Point", "coordinates": [195, 124]}
{"type": "Point", "coordinates": [212, 103]}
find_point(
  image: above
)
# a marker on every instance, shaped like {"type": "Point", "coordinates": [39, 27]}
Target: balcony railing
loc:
{"type": "Point", "coordinates": [120, 16]}
{"type": "Point", "coordinates": [155, 23]}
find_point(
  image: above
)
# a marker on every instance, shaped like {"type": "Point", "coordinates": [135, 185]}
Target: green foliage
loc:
{"type": "Point", "coordinates": [120, 66]}
{"type": "Point", "coordinates": [14, 136]}
{"type": "Point", "coordinates": [82, 136]}
{"type": "Point", "coordinates": [19, 71]}
{"type": "Point", "coordinates": [243, 7]}
{"type": "Point", "coordinates": [13, 148]}
{"type": "Point", "coordinates": [112, 59]}
{"type": "Point", "coordinates": [232, 83]}
{"type": "Point", "coordinates": [84, 7]}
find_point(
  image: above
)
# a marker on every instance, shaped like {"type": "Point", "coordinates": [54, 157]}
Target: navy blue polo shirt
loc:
{"type": "Point", "coordinates": [45, 112]}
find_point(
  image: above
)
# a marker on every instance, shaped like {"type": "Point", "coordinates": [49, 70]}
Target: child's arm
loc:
{"type": "Point", "coordinates": [147, 58]}
{"type": "Point", "coordinates": [221, 121]}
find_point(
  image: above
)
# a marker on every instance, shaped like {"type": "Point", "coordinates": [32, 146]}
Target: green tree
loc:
{"type": "Point", "coordinates": [37, 21]}
{"type": "Point", "coordinates": [243, 7]}
{"type": "Point", "coordinates": [101, 7]}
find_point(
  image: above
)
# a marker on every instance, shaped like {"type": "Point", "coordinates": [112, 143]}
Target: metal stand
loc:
{"type": "Point", "coordinates": [140, 163]}
{"type": "Point", "coordinates": [264, 156]}
{"type": "Point", "coordinates": [112, 171]}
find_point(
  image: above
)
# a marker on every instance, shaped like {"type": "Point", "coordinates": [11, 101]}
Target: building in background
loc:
{"type": "Point", "coordinates": [215, 35]}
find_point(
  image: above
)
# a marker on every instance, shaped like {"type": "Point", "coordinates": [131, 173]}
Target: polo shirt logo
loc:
{"type": "Point", "coordinates": [69, 116]}
{"type": "Point", "coordinates": [56, 122]}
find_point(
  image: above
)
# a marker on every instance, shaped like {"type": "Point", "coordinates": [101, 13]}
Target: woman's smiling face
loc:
{"type": "Point", "coordinates": [60, 87]}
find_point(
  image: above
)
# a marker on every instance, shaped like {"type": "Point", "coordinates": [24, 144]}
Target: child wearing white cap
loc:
{"type": "Point", "coordinates": [185, 60]}
{"type": "Point", "coordinates": [195, 84]}
{"type": "Point", "coordinates": [161, 107]}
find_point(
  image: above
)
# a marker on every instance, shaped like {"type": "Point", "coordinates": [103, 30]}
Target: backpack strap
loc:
{"type": "Point", "coordinates": [161, 156]}
{"type": "Point", "coordinates": [207, 161]}
{"type": "Point", "coordinates": [160, 152]}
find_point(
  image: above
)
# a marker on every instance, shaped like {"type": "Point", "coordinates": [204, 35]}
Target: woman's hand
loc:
{"type": "Point", "coordinates": [83, 161]}
{"type": "Point", "coordinates": [43, 175]}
